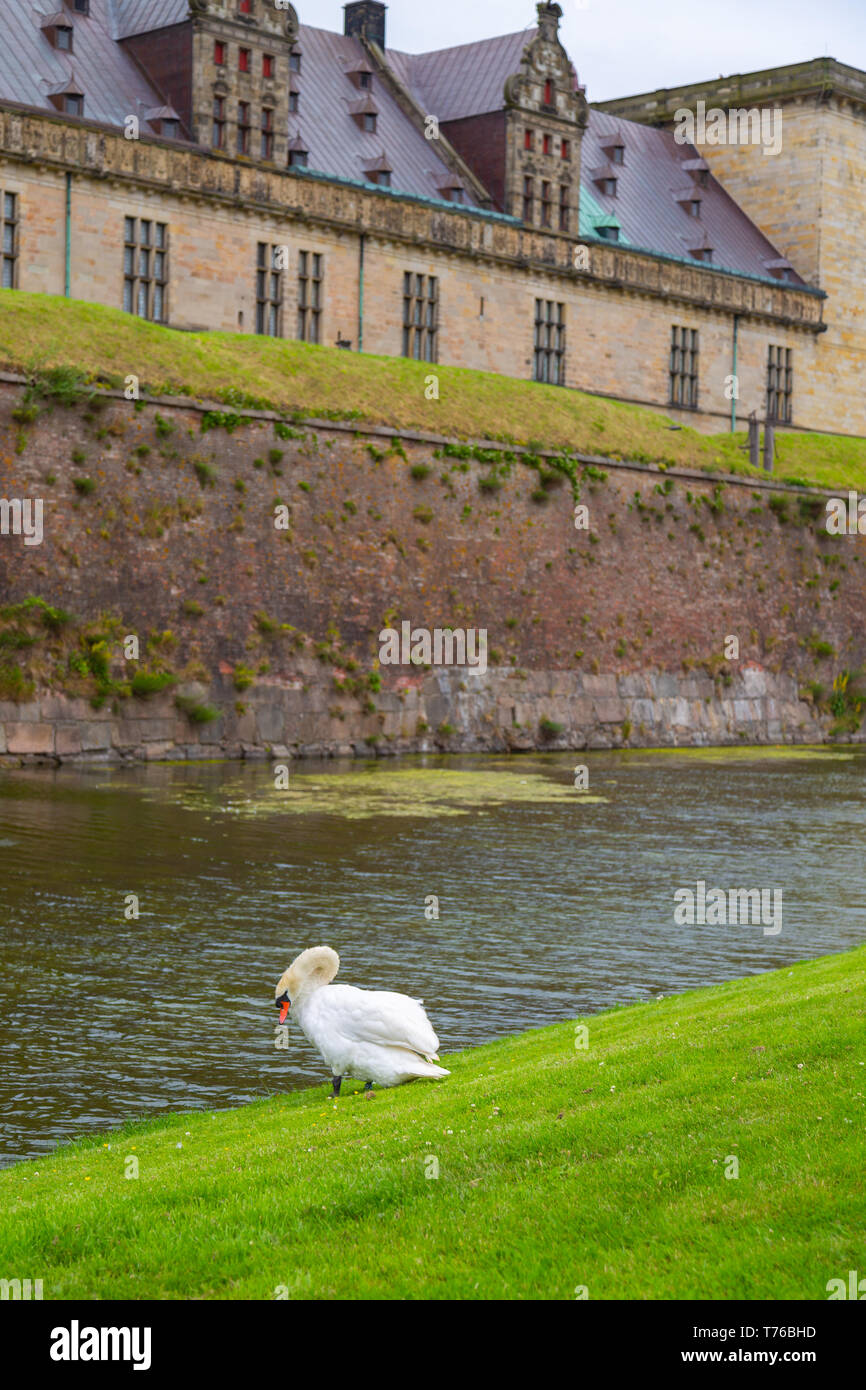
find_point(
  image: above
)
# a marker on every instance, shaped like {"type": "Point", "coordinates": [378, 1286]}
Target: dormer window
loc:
{"type": "Point", "coordinates": [368, 122]}
{"type": "Point", "coordinates": [294, 103]}
{"type": "Point", "coordinates": [294, 62]}
{"type": "Point", "coordinates": [702, 253]}
{"type": "Point", "coordinates": [170, 128]}
{"type": "Point", "coordinates": [298, 154]}
{"type": "Point", "coordinates": [73, 104]}
{"type": "Point", "coordinates": [379, 173]}
{"type": "Point", "coordinates": [81, 6]}
{"type": "Point", "coordinates": [608, 187]}
{"type": "Point", "coordinates": [608, 233]}
{"type": "Point", "coordinates": [452, 192]}
{"type": "Point", "coordinates": [63, 38]}
{"type": "Point", "coordinates": [164, 121]}
{"type": "Point", "coordinates": [67, 98]}
{"type": "Point", "coordinates": [617, 154]}
{"type": "Point", "coordinates": [365, 80]}
{"type": "Point", "coordinates": [693, 207]}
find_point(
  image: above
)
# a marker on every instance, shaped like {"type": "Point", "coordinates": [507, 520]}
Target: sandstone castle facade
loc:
{"type": "Point", "coordinates": [217, 164]}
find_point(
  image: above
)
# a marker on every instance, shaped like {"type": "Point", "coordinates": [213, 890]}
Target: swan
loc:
{"type": "Point", "coordinates": [370, 1033]}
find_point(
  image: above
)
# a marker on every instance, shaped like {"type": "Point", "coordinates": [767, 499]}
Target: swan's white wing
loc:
{"type": "Point", "coordinates": [379, 1016]}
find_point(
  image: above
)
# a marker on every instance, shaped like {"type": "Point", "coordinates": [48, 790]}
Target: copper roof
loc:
{"type": "Point", "coordinates": [113, 85]}
{"type": "Point", "coordinates": [140, 16]}
{"type": "Point", "coordinates": [453, 83]}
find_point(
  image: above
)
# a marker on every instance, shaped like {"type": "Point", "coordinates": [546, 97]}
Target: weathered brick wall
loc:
{"type": "Point", "coordinates": [178, 534]}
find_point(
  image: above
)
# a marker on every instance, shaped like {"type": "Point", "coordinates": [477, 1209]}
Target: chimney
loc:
{"type": "Point", "coordinates": [365, 19]}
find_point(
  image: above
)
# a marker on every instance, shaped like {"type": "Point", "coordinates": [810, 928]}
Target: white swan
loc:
{"type": "Point", "coordinates": [369, 1033]}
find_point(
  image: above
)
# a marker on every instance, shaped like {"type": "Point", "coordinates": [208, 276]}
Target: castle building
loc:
{"type": "Point", "coordinates": [217, 164]}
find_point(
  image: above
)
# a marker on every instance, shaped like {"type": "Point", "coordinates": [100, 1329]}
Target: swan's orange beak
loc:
{"type": "Point", "coordinates": [284, 1009]}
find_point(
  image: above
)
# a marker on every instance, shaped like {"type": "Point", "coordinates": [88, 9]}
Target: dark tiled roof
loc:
{"type": "Point", "coordinates": [464, 81]}
{"type": "Point", "coordinates": [646, 209]}
{"type": "Point", "coordinates": [31, 68]}
{"type": "Point", "coordinates": [336, 143]}
{"type": "Point", "coordinates": [140, 16]}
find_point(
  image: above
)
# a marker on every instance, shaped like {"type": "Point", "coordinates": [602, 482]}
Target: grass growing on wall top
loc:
{"type": "Point", "coordinates": [41, 331]}
{"type": "Point", "coordinates": [557, 1168]}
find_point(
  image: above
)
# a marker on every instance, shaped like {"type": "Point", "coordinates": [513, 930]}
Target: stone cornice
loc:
{"type": "Point", "coordinates": [820, 79]}
{"type": "Point", "coordinates": [186, 171]}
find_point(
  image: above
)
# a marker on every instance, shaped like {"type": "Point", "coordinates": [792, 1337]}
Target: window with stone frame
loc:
{"type": "Point", "coordinates": [269, 290]}
{"type": "Point", "coordinates": [311, 275]}
{"type": "Point", "coordinates": [218, 136]}
{"type": "Point", "coordinates": [244, 122]}
{"type": "Point", "coordinates": [545, 203]}
{"type": "Point", "coordinates": [780, 385]}
{"type": "Point", "coordinates": [684, 367]}
{"type": "Point", "coordinates": [564, 207]}
{"type": "Point", "coordinates": [145, 268]}
{"type": "Point", "coordinates": [267, 133]}
{"type": "Point", "coordinates": [420, 317]}
{"type": "Point", "coordinates": [528, 199]}
{"type": "Point", "coordinates": [9, 240]}
{"type": "Point", "coordinates": [549, 344]}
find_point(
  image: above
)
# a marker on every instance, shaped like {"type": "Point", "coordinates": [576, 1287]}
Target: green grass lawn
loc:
{"type": "Point", "coordinates": [557, 1168]}
{"type": "Point", "coordinates": [42, 331]}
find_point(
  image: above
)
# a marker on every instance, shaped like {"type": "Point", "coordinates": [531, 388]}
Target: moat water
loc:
{"type": "Point", "coordinates": [552, 903]}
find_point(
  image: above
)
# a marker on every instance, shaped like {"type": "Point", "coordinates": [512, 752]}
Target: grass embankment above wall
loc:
{"type": "Point", "coordinates": [43, 331]}
{"type": "Point", "coordinates": [609, 1168]}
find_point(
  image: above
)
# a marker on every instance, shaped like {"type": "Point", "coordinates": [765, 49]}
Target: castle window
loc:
{"type": "Point", "coordinates": [218, 139]}
{"type": "Point", "coordinates": [294, 102]}
{"type": "Point", "coordinates": [420, 317]}
{"type": "Point", "coordinates": [684, 367]}
{"type": "Point", "coordinates": [546, 145]}
{"type": "Point", "coordinates": [243, 127]}
{"type": "Point", "coordinates": [145, 268]}
{"type": "Point", "coordinates": [565, 150]}
{"type": "Point", "coordinates": [702, 253]}
{"type": "Point", "coordinates": [294, 62]}
{"type": "Point", "coordinates": [63, 37]}
{"type": "Point", "coordinates": [310, 276]}
{"type": "Point", "coordinates": [9, 241]}
{"type": "Point", "coordinates": [170, 128]}
{"type": "Point", "coordinates": [81, 6]}
{"type": "Point", "coordinates": [608, 233]}
{"type": "Point", "coordinates": [369, 121]}
{"type": "Point", "coordinates": [528, 140]}
{"type": "Point", "coordinates": [243, 60]}
{"type": "Point", "coordinates": [267, 65]}
{"type": "Point", "coordinates": [528, 199]}
{"type": "Point", "coordinates": [269, 291]}
{"type": "Point", "coordinates": [549, 358]}
{"type": "Point", "coordinates": [563, 207]}
{"type": "Point", "coordinates": [73, 104]}
{"type": "Point", "coordinates": [298, 156]}
{"type": "Point", "coordinates": [245, 6]}
{"type": "Point", "coordinates": [545, 204]}
{"type": "Point", "coordinates": [548, 93]}
{"type": "Point", "coordinates": [267, 133]}
{"type": "Point", "coordinates": [693, 207]}
{"type": "Point", "coordinates": [617, 154]}
{"type": "Point", "coordinates": [780, 385]}
{"type": "Point", "coordinates": [608, 187]}
{"type": "Point", "coordinates": [365, 80]}
{"type": "Point", "coordinates": [219, 53]}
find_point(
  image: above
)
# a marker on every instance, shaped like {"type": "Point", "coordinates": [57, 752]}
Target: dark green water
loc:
{"type": "Point", "coordinates": [551, 905]}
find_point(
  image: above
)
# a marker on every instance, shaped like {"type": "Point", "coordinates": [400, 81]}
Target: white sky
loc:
{"type": "Point", "coordinates": [621, 47]}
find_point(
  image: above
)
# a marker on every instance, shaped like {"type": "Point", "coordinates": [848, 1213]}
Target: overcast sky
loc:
{"type": "Point", "coordinates": [620, 47]}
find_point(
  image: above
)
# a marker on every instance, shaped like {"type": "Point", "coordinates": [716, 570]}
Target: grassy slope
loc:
{"type": "Point", "coordinates": [286, 375]}
{"type": "Point", "coordinates": [558, 1168]}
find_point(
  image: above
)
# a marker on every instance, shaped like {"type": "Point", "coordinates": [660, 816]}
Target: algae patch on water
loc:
{"type": "Point", "coordinates": [803, 752]}
{"type": "Point", "coordinates": [374, 790]}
